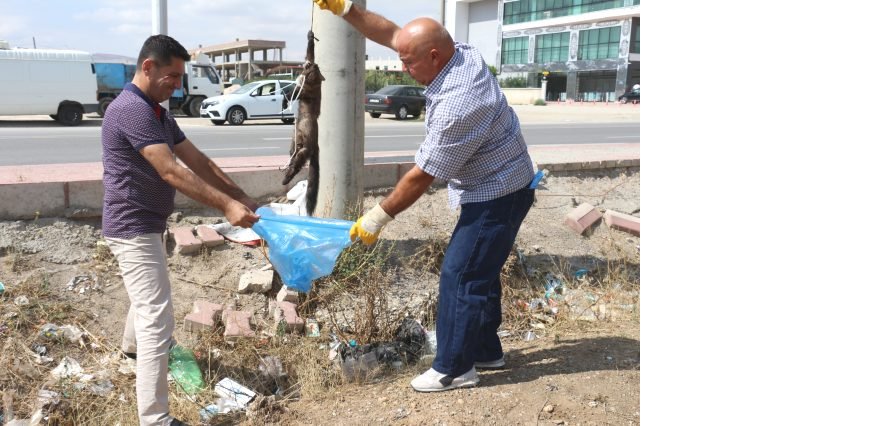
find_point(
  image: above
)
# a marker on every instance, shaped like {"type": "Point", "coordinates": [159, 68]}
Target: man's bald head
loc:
{"type": "Point", "coordinates": [425, 47]}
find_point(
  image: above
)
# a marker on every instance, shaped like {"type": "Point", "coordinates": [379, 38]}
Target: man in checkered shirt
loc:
{"type": "Point", "coordinates": [474, 143]}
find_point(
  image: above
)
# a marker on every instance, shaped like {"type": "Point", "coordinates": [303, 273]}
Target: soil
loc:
{"type": "Point", "coordinates": [581, 369]}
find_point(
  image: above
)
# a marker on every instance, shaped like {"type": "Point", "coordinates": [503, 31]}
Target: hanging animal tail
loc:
{"type": "Point", "coordinates": [312, 188]}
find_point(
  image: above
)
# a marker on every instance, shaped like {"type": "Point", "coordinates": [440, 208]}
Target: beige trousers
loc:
{"type": "Point", "coordinates": [150, 322]}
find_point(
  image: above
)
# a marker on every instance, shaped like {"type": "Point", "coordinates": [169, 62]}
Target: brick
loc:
{"type": "Point", "coordinates": [287, 295]}
{"type": "Point", "coordinates": [623, 222]}
{"type": "Point", "coordinates": [256, 281]}
{"type": "Point", "coordinates": [204, 316]}
{"type": "Point", "coordinates": [286, 312]}
{"type": "Point", "coordinates": [238, 325]}
{"type": "Point", "coordinates": [209, 236]}
{"type": "Point", "coordinates": [582, 218]}
{"type": "Point", "coordinates": [184, 240]}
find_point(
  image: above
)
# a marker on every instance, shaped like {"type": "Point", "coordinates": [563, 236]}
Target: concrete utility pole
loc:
{"type": "Point", "coordinates": [160, 17]}
{"type": "Point", "coordinates": [340, 54]}
{"type": "Point", "coordinates": [160, 24]}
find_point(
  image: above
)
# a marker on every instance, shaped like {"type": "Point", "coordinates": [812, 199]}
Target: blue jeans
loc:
{"type": "Point", "coordinates": [469, 311]}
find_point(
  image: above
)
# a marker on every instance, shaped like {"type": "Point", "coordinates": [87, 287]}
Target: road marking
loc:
{"type": "Point", "coordinates": [242, 149]}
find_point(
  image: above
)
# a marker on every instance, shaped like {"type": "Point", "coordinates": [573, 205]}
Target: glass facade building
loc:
{"type": "Point", "coordinates": [582, 50]}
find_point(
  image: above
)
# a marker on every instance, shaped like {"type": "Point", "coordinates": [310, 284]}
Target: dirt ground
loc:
{"type": "Point", "coordinates": [583, 367]}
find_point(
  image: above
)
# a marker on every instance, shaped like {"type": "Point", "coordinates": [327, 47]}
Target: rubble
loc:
{"type": "Point", "coordinates": [256, 281]}
{"type": "Point", "coordinates": [184, 240]}
{"type": "Point", "coordinates": [623, 222]}
{"type": "Point", "coordinates": [285, 315]}
{"type": "Point", "coordinates": [203, 317]}
{"type": "Point", "coordinates": [209, 236]}
{"type": "Point", "coordinates": [582, 218]}
{"type": "Point", "coordinates": [237, 324]}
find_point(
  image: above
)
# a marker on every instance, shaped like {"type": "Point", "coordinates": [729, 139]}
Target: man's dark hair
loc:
{"type": "Point", "coordinates": [161, 49]}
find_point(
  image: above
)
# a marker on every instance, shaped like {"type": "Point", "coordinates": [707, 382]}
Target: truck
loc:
{"type": "Point", "coordinates": [112, 73]}
{"type": "Point", "coordinates": [58, 83]}
{"type": "Point", "coordinates": [200, 81]}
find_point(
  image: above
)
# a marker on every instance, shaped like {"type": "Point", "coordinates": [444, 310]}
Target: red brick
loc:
{"type": "Point", "coordinates": [209, 236]}
{"type": "Point", "coordinates": [286, 312]}
{"type": "Point", "coordinates": [238, 324]}
{"type": "Point", "coordinates": [184, 240]}
{"type": "Point", "coordinates": [623, 222]}
{"type": "Point", "coordinates": [581, 218]}
{"type": "Point", "coordinates": [204, 316]}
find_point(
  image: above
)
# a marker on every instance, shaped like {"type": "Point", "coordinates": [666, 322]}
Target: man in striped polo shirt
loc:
{"type": "Point", "coordinates": [140, 142]}
{"type": "Point", "coordinates": [473, 141]}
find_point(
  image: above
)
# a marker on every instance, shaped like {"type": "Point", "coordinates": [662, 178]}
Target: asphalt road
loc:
{"type": "Point", "coordinates": [23, 143]}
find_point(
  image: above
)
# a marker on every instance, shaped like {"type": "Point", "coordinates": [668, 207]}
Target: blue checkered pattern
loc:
{"type": "Point", "coordinates": [473, 139]}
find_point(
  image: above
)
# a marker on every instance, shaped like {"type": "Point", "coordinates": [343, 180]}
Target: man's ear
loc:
{"type": "Point", "coordinates": [147, 66]}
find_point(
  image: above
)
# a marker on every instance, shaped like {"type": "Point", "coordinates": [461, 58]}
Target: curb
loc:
{"type": "Point", "coordinates": [82, 196]}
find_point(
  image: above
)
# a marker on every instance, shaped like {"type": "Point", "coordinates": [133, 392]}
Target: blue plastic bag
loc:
{"type": "Point", "coordinates": [302, 248]}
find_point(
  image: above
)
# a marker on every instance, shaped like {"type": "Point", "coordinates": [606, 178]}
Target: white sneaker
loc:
{"type": "Point", "coordinates": [498, 363]}
{"type": "Point", "coordinates": [433, 381]}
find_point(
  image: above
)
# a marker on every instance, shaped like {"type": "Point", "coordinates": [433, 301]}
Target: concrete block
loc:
{"type": "Point", "coordinates": [256, 281]}
{"type": "Point", "coordinates": [380, 175]}
{"type": "Point", "coordinates": [29, 200]}
{"type": "Point", "coordinates": [287, 295]}
{"type": "Point", "coordinates": [285, 312]}
{"type": "Point", "coordinates": [209, 236]}
{"type": "Point", "coordinates": [623, 222]}
{"type": "Point", "coordinates": [184, 240]}
{"type": "Point", "coordinates": [204, 316]}
{"type": "Point", "coordinates": [237, 324]}
{"type": "Point", "coordinates": [582, 218]}
{"type": "Point", "coordinates": [86, 194]}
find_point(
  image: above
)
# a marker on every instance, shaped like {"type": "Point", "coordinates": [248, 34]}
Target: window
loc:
{"type": "Point", "coordinates": [634, 45]}
{"type": "Point", "coordinates": [267, 90]}
{"type": "Point", "coordinates": [206, 72]}
{"type": "Point", "coordinates": [552, 48]}
{"type": "Point", "coordinates": [534, 10]}
{"type": "Point", "coordinates": [599, 44]}
{"type": "Point", "coordinates": [515, 50]}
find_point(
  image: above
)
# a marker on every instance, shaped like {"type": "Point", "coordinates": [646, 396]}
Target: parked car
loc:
{"type": "Point", "coordinates": [398, 100]}
{"type": "Point", "coordinates": [629, 97]}
{"type": "Point", "coordinates": [256, 100]}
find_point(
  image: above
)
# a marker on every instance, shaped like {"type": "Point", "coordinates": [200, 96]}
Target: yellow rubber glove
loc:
{"type": "Point", "coordinates": [367, 228]}
{"type": "Point", "coordinates": [338, 7]}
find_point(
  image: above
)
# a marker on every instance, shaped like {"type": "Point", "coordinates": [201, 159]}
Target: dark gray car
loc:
{"type": "Point", "coordinates": [401, 101]}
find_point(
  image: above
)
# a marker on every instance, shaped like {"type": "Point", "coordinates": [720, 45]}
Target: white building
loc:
{"type": "Point", "coordinates": [589, 49]}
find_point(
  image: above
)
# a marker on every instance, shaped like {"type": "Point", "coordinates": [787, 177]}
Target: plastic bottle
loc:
{"type": "Point", "coordinates": [185, 370]}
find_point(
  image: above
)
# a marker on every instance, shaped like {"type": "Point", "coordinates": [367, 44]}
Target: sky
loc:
{"type": "Point", "coordinates": [120, 26]}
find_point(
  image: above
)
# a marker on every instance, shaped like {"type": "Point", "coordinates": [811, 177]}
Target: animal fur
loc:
{"type": "Point", "coordinates": [305, 145]}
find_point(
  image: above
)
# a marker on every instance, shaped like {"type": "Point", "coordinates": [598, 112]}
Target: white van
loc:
{"type": "Point", "coordinates": [60, 83]}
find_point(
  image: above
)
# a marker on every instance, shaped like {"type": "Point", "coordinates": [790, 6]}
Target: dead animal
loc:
{"type": "Point", "coordinates": [304, 145]}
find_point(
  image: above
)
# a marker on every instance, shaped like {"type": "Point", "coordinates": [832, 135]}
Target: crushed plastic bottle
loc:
{"type": "Point", "coordinates": [185, 370]}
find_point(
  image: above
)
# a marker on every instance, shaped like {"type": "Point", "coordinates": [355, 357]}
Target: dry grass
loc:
{"type": "Point", "coordinates": [355, 296]}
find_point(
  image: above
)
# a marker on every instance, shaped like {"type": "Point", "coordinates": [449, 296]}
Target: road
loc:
{"type": "Point", "coordinates": [49, 143]}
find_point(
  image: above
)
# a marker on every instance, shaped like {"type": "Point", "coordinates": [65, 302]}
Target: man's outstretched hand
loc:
{"type": "Point", "coordinates": [367, 228]}
{"type": "Point", "coordinates": [338, 7]}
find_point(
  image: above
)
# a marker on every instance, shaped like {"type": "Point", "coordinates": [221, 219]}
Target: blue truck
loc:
{"type": "Point", "coordinates": [111, 79]}
{"type": "Point", "coordinates": [200, 81]}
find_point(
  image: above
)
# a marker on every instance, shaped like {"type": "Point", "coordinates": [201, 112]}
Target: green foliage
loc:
{"type": "Point", "coordinates": [514, 82]}
{"type": "Point", "coordinates": [539, 102]}
{"type": "Point", "coordinates": [493, 70]}
{"type": "Point", "coordinates": [377, 79]}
